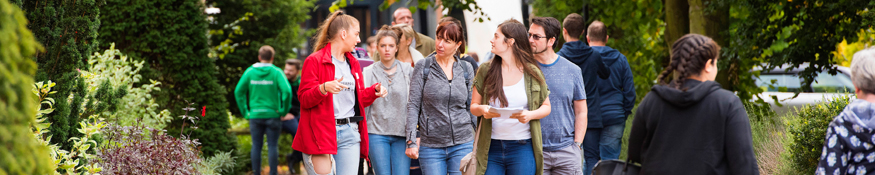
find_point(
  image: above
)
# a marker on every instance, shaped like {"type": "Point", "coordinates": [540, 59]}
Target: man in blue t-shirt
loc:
{"type": "Point", "coordinates": [564, 129]}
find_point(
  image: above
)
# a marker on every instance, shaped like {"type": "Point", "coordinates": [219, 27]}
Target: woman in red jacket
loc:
{"type": "Point", "coordinates": [333, 131]}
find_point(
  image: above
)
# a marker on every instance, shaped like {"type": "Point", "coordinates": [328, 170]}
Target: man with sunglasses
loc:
{"type": "Point", "coordinates": [564, 129]}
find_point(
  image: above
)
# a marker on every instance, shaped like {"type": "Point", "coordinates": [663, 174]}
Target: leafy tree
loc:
{"type": "Point", "coordinates": [21, 153]}
{"type": "Point", "coordinates": [68, 30]}
{"type": "Point", "coordinates": [636, 29]}
{"type": "Point", "coordinates": [773, 33]}
{"type": "Point", "coordinates": [170, 36]}
{"type": "Point", "coordinates": [264, 22]}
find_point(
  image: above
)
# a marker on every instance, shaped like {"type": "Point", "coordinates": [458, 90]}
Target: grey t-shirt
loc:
{"type": "Point", "coordinates": [566, 86]}
{"type": "Point", "coordinates": [344, 102]}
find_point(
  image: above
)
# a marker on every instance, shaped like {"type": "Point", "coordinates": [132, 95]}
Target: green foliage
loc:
{"type": "Point", "coordinates": [221, 163]}
{"type": "Point", "coordinates": [773, 33]}
{"type": "Point", "coordinates": [74, 161]}
{"type": "Point", "coordinates": [635, 28]}
{"type": "Point", "coordinates": [21, 153]}
{"type": "Point", "coordinates": [68, 30]}
{"type": "Point", "coordinates": [122, 73]}
{"type": "Point", "coordinates": [808, 131]}
{"type": "Point", "coordinates": [170, 36]}
{"type": "Point", "coordinates": [244, 26]}
{"type": "Point", "coordinates": [558, 10]}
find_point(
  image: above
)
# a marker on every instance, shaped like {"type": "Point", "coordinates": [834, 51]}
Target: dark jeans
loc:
{"type": "Point", "coordinates": [258, 128]}
{"type": "Point", "coordinates": [601, 144]}
{"type": "Point", "coordinates": [291, 127]}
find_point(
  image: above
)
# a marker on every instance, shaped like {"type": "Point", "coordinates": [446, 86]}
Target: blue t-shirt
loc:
{"type": "Point", "coordinates": [566, 86]}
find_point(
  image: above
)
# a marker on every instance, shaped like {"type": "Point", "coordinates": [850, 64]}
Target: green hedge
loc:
{"type": "Point", "coordinates": [68, 30]}
{"type": "Point", "coordinates": [170, 35]}
{"type": "Point", "coordinates": [807, 131]}
{"type": "Point", "coordinates": [21, 153]}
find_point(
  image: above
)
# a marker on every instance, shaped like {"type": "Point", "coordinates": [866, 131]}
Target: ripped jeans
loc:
{"type": "Point", "coordinates": [346, 161]}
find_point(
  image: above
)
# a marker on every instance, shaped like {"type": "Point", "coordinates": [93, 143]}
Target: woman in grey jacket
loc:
{"type": "Point", "coordinates": [385, 117]}
{"type": "Point", "coordinates": [440, 90]}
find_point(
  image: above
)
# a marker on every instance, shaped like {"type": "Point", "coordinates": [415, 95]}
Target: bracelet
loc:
{"type": "Point", "coordinates": [323, 88]}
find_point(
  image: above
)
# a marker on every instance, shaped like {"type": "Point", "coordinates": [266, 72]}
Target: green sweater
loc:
{"type": "Point", "coordinates": [536, 93]}
{"type": "Point", "coordinates": [263, 92]}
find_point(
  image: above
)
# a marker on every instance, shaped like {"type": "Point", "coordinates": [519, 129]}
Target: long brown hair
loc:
{"type": "Point", "coordinates": [522, 50]}
{"type": "Point", "coordinates": [332, 26]}
{"type": "Point", "coordinates": [689, 54]}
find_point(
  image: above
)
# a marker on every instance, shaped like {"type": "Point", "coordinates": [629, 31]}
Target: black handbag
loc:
{"type": "Point", "coordinates": [615, 167]}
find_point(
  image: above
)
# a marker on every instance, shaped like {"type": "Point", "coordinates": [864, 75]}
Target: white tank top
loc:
{"type": "Point", "coordinates": [509, 128]}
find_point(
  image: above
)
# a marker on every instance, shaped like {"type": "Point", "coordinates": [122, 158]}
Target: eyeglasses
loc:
{"type": "Point", "coordinates": [536, 37]}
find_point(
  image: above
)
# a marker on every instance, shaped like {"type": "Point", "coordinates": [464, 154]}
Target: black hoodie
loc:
{"type": "Point", "coordinates": [704, 130]}
{"type": "Point", "coordinates": [592, 67]}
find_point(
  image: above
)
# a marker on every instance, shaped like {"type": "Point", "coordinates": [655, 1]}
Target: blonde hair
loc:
{"type": "Point", "coordinates": [386, 31]}
{"type": "Point", "coordinates": [404, 30]}
{"type": "Point", "coordinates": [332, 26]}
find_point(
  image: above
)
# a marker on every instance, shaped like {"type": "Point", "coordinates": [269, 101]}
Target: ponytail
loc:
{"type": "Point", "coordinates": [332, 26]}
{"type": "Point", "coordinates": [689, 54]}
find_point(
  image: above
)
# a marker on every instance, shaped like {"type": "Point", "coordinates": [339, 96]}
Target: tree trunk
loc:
{"type": "Point", "coordinates": [677, 22]}
{"type": "Point", "coordinates": [711, 24]}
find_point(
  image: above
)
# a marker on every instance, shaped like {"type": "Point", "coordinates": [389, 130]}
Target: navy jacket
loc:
{"type": "Point", "coordinates": [618, 91]}
{"type": "Point", "coordinates": [592, 67]}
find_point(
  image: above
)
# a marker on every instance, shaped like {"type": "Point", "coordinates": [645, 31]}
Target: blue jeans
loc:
{"type": "Point", "coordinates": [602, 144]}
{"type": "Point", "coordinates": [291, 126]}
{"type": "Point", "coordinates": [258, 128]}
{"type": "Point", "coordinates": [441, 161]}
{"type": "Point", "coordinates": [346, 161]}
{"type": "Point", "coordinates": [512, 157]}
{"type": "Point", "coordinates": [387, 155]}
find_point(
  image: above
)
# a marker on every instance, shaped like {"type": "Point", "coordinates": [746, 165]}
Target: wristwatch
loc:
{"type": "Point", "coordinates": [578, 144]}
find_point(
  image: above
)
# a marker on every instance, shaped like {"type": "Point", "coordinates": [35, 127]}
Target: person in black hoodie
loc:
{"type": "Point", "coordinates": [689, 124]}
{"type": "Point", "coordinates": [591, 65]}
{"type": "Point", "coordinates": [290, 121]}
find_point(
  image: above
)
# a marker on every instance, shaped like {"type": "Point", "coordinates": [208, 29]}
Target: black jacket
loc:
{"type": "Point", "coordinates": [592, 67]}
{"type": "Point", "coordinates": [296, 104]}
{"type": "Point", "coordinates": [704, 130]}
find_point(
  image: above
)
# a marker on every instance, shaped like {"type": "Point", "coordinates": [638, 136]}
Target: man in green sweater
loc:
{"type": "Point", "coordinates": [263, 95]}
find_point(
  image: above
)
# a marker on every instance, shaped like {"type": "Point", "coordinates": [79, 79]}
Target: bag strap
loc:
{"type": "Point", "coordinates": [477, 137]}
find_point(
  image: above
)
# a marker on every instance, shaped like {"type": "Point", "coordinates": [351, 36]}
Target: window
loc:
{"type": "Point", "coordinates": [826, 83]}
{"type": "Point", "coordinates": [783, 83]}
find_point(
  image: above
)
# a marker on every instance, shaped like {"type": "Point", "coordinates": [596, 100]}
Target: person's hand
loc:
{"type": "Point", "coordinates": [334, 86]}
{"type": "Point", "coordinates": [524, 116]}
{"type": "Point", "coordinates": [489, 115]}
{"type": "Point", "coordinates": [289, 116]}
{"type": "Point", "coordinates": [381, 91]}
{"type": "Point", "coordinates": [412, 153]}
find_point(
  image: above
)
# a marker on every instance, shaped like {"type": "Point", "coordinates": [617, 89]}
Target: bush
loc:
{"type": "Point", "coordinates": [140, 149]}
{"type": "Point", "coordinates": [21, 154]}
{"type": "Point", "coordinates": [77, 159]}
{"type": "Point", "coordinates": [68, 30]}
{"type": "Point", "coordinates": [808, 131]}
{"type": "Point", "coordinates": [170, 36]}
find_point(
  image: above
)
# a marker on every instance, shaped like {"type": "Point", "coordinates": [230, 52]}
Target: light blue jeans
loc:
{"type": "Point", "coordinates": [387, 154]}
{"type": "Point", "coordinates": [441, 161]}
{"type": "Point", "coordinates": [602, 144]}
{"type": "Point", "coordinates": [346, 161]}
{"type": "Point", "coordinates": [511, 157]}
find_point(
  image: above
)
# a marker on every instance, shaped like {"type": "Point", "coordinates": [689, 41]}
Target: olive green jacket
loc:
{"type": "Point", "coordinates": [536, 93]}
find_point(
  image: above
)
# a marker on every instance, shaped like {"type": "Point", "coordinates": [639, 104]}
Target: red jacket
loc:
{"type": "Point", "coordinates": [316, 132]}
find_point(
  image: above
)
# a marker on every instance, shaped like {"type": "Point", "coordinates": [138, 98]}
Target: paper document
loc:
{"type": "Point", "coordinates": [505, 112]}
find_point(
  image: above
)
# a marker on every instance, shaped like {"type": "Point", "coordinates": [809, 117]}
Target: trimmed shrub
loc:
{"type": "Point", "coordinates": [21, 153]}
{"type": "Point", "coordinates": [170, 36]}
{"type": "Point", "coordinates": [808, 131]}
{"type": "Point", "coordinates": [68, 30]}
